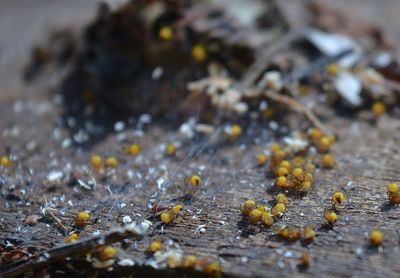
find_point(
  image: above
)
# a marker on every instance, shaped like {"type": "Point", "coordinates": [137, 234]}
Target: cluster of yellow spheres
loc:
{"type": "Point", "coordinates": [294, 234]}
{"type": "Point", "coordinates": [322, 142]}
{"type": "Point", "coordinates": [291, 173]}
{"type": "Point", "coordinates": [338, 198]}
{"type": "Point", "coordinates": [169, 216]}
{"type": "Point", "coordinates": [97, 162]}
{"type": "Point", "coordinates": [297, 173]}
{"type": "Point", "coordinates": [256, 214]}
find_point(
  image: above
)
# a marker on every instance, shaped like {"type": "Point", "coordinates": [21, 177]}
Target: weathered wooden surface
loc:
{"type": "Point", "coordinates": [368, 159]}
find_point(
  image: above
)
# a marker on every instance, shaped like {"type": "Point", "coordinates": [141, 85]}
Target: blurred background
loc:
{"type": "Point", "coordinates": [24, 23]}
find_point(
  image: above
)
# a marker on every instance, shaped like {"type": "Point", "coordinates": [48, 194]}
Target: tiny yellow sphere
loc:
{"type": "Point", "coordinates": [331, 217]}
{"type": "Point", "coordinates": [170, 150]}
{"type": "Point", "coordinates": [262, 208]}
{"type": "Point", "coordinates": [328, 161]}
{"type": "Point", "coordinates": [297, 161]}
{"type": "Point", "coordinates": [298, 173]}
{"type": "Point", "coordinates": [282, 172]}
{"type": "Point", "coordinates": [393, 188]}
{"type": "Point", "coordinates": [305, 260]}
{"type": "Point", "coordinates": [261, 159]}
{"type": "Point", "coordinates": [332, 138]}
{"type": "Point", "coordinates": [275, 147]}
{"type": "Point", "coordinates": [165, 33]}
{"type": "Point", "coordinates": [235, 131]}
{"type": "Point", "coordinates": [96, 161]}
{"type": "Point", "coordinates": [279, 155]}
{"type": "Point", "coordinates": [310, 168]}
{"type": "Point", "coordinates": [324, 144]}
{"type": "Point", "coordinates": [5, 161]}
{"type": "Point", "coordinates": [81, 218]}
{"type": "Point", "coordinates": [278, 210]}
{"type": "Point", "coordinates": [285, 164]}
{"type": "Point", "coordinates": [189, 261]}
{"type": "Point", "coordinates": [71, 238]}
{"type": "Point", "coordinates": [177, 209]}
{"type": "Point", "coordinates": [268, 113]}
{"type": "Point", "coordinates": [248, 206]}
{"type": "Point", "coordinates": [199, 53]}
{"type": "Point", "coordinates": [376, 237]}
{"type": "Point", "coordinates": [309, 233]}
{"type": "Point", "coordinates": [306, 185]}
{"type": "Point", "coordinates": [281, 181]}
{"type": "Point", "coordinates": [195, 180]}
{"type": "Point", "coordinates": [267, 219]}
{"type": "Point", "coordinates": [111, 162]}
{"type": "Point", "coordinates": [255, 216]}
{"type": "Point", "coordinates": [155, 246]}
{"type": "Point", "coordinates": [338, 198]}
{"type": "Point", "coordinates": [294, 234]}
{"type": "Point", "coordinates": [283, 232]}
{"type": "Point", "coordinates": [315, 134]}
{"type": "Point", "coordinates": [378, 108]}
{"type": "Point", "coordinates": [109, 252]}
{"type": "Point", "coordinates": [309, 177]}
{"type": "Point", "coordinates": [134, 149]}
{"type": "Point", "coordinates": [394, 198]}
{"type": "Point", "coordinates": [281, 198]}
{"type": "Point", "coordinates": [166, 217]}
{"type": "Point", "coordinates": [332, 69]}
{"type": "Point", "coordinates": [214, 269]}
{"type": "Point", "coordinates": [174, 261]}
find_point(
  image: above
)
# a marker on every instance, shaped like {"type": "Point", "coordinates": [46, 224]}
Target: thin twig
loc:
{"type": "Point", "coordinates": [256, 69]}
{"type": "Point", "coordinates": [47, 211]}
{"type": "Point", "coordinates": [299, 107]}
{"type": "Point", "coordinates": [81, 247]}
